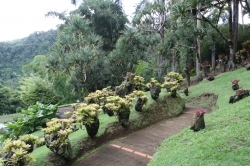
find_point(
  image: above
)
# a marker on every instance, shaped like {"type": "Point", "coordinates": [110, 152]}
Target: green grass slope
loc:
{"type": "Point", "coordinates": [224, 141]}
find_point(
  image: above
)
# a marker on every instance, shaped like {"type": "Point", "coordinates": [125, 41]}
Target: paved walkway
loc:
{"type": "Point", "coordinates": [138, 148]}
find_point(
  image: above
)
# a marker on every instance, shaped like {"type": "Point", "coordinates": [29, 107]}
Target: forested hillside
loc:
{"type": "Point", "coordinates": [15, 54]}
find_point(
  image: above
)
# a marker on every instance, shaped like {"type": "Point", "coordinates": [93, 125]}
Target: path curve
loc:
{"type": "Point", "coordinates": [137, 149]}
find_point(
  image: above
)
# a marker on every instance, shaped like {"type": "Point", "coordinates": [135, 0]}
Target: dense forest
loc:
{"type": "Point", "coordinates": [96, 46]}
{"type": "Point", "coordinates": [15, 54]}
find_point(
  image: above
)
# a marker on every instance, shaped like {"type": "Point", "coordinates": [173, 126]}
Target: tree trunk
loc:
{"type": "Point", "coordinates": [161, 32]}
{"type": "Point", "coordinates": [235, 24]}
{"type": "Point", "coordinates": [230, 42]}
{"type": "Point", "coordinates": [198, 54]}
{"type": "Point", "coordinates": [172, 60]}
{"type": "Point", "coordinates": [213, 55]}
{"type": "Point", "coordinates": [177, 59]}
{"type": "Point", "coordinates": [187, 68]}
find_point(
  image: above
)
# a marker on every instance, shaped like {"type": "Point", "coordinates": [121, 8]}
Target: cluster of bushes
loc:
{"type": "Point", "coordinates": [117, 102]}
{"type": "Point", "coordinates": [9, 101]}
{"type": "Point", "coordinates": [15, 152]}
{"type": "Point", "coordinates": [112, 102]}
{"type": "Point", "coordinates": [16, 138]}
{"type": "Point", "coordinates": [34, 118]}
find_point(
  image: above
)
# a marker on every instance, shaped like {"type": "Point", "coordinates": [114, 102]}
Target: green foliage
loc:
{"type": "Point", "coordinates": [107, 20]}
{"type": "Point", "coordinates": [172, 81]}
{"type": "Point", "coordinates": [56, 137]}
{"type": "Point", "coordinates": [86, 113]}
{"type": "Point", "coordinates": [115, 103]}
{"type": "Point", "coordinates": [220, 45]}
{"type": "Point", "coordinates": [153, 82]}
{"type": "Point", "coordinates": [138, 83]}
{"type": "Point", "coordinates": [75, 53]}
{"type": "Point", "coordinates": [99, 96]}
{"type": "Point", "coordinates": [9, 101]}
{"type": "Point", "coordinates": [15, 153]}
{"type": "Point", "coordinates": [15, 54]}
{"type": "Point", "coordinates": [31, 140]}
{"type": "Point", "coordinates": [130, 49]}
{"type": "Point", "coordinates": [32, 119]}
{"type": "Point", "coordinates": [35, 89]}
{"type": "Point", "coordinates": [37, 66]}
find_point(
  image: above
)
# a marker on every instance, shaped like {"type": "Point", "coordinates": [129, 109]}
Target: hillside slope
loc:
{"type": "Point", "coordinates": [225, 140]}
{"type": "Point", "coordinates": [15, 54]}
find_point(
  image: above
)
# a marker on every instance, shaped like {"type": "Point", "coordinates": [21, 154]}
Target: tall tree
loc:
{"type": "Point", "coordinates": [151, 18]}
{"type": "Point", "coordinates": [211, 12]}
{"type": "Point", "coordinates": [76, 51]}
{"type": "Point", "coordinates": [131, 47]}
{"type": "Point", "coordinates": [106, 17]}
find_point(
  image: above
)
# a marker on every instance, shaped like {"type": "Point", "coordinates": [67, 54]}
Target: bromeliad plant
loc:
{"type": "Point", "coordinates": [121, 106]}
{"type": "Point", "coordinates": [88, 115]}
{"type": "Point", "coordinates": [15, 153]}
{"type": "Point", "coordinates": [139, 83]}
{"type": "Point", "coordinates": [99, 96]}
{"type": "Point", "coordinates": [240, 91]}
{"type": "Point", "coordinates": [56, 136]}
{"type": "Point", "coordinates": [172, 82]}
{"type": "Point", "coordinates": [239, 94]}
{"type": "Point", "coordinates": [32, 140]}
{"type": "Point", "coordinates": [198, 121]}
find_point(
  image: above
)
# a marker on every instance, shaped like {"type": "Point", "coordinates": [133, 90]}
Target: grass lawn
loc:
{"type": "Point", "coordinates": [224, 141]}
{"type": "Point", "coordinates": [8, 118]}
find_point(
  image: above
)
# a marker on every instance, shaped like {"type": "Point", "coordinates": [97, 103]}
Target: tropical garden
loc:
{"type": "Point", "coordinates": [119, 75]}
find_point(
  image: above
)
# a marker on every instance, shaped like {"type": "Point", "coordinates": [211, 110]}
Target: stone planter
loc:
{"type": "Point", "coordinates": [139, 104]}
{"type": "Point", "coordinates": [186, 91]}
{"type": "Point", "coordinates": [210, 78]}
{"type": "Point", "coordinates": [173, 94]}
{"type": "Point", "coordinates": [92, 129]}
{"type": "Point", "coordinates": [168, 89]}
{"type": "Point", "coordinates": [199, 123]}
{"type": "Point", "coordinates": [62, 151]}
{"type": "Point", "coordinates": [235, 86]}
{"type": "Point", "coordinates": [155, 91]}
{"type": "Point", "coordinates": [107, 111]}
{"type": "Point", "coordinates": [123, 117]}
{"type": "Point", "coordinates": [239, 96]}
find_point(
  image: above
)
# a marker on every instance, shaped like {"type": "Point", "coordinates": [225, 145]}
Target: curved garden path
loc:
{"type": "Point", "coordinates": [138, 148]}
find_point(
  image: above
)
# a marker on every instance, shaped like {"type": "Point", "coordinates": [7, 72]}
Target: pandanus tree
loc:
{"type": "Point", "coordinates": [75, 52]}
{"type": "Point", "coordinates": [105, 19]}
{"type": "Point", "coordinates": [131, 47]}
